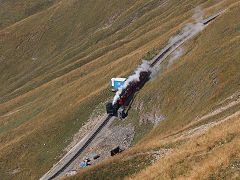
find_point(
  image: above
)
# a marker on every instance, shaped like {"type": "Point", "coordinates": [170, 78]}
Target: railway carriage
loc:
{"type": "Point", "coordinates": [127, 92]}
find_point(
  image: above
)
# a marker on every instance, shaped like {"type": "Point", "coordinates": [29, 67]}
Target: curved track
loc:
{"type": "Point", "coordinates": [78, 149]}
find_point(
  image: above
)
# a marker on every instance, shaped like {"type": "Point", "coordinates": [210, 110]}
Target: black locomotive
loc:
{"type": "Point", "coordinates": [127, 92]}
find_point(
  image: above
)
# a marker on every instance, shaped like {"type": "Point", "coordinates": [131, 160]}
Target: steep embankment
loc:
{"type": "Point", "coordinates": [15, 11]}
{"type": "Point", "coordinates": [55, 67]}
{"type": "Point", "coordinates": [197, 101]}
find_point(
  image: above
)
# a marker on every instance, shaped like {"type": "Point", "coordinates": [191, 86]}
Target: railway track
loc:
{"type": "Point", "coordinates": [69, 158]}
{"type": "Point", "coordinates": [170, 48]}
{"type": "Point", "coordinates": [76, 151]}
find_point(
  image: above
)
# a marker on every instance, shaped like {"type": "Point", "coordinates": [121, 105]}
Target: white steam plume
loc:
{"type": "Point", "coordinates": [135, 77]}
{"type": "Point", "coordinates": [190, 29]}
{"type": "Point", "coordinates": [198, 14]}
{"type": "Point", "coordinates": [176, 54]}
{"type": "Point", "coordinates": [187, 32]}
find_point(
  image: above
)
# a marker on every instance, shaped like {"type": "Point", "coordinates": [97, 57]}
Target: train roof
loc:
{"type": "Point", "coordinates": [117, 79]}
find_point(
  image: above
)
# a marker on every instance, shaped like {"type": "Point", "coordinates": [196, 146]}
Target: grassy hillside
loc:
{"type": "Point", "coordinates": [213, 154]}
{"type": "Point", "coordinates": [56, 63]}
{"type": "Point", "coordinates": [13, 11]}
{"type": "Point", "coordinates": [204, 81]}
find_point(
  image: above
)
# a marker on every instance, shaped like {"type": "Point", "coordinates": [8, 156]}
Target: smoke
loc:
{"type": "Point", "coordinates": [186, 33]}
{"type": "Point", "coordinates": [135, 77]}
{"type": "Point", "coordinates": [176, 54]}
{"type": "Point", "coordinates": [198, 15]}
{"type": "Point", "coordinates": [190, 29]}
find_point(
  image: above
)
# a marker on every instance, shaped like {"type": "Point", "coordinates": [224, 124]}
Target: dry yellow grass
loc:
{"type": "Point", "coordinates": [202, 155]}
{"type": "Point", "coordinates": [46, 101]}
{"type": "Point", "coordinates": [183, 93]}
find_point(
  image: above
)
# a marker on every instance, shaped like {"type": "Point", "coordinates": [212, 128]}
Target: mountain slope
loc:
{"type": "Point", "coordinates": [55, 68]}
{"type": "Point", "coordinates": [14, 11]}
{"type": "Point", "coordinates": [197, 99]}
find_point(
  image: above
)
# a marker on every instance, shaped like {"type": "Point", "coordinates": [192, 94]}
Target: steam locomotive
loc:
{"type": "Point", "coordinates": [132, 87]}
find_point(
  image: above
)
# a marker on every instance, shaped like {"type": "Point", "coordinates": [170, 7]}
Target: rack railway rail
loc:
{"type": "Point", "coordinates": [72, 155]}
{"type": "Point", "coordinates": [75, 151]}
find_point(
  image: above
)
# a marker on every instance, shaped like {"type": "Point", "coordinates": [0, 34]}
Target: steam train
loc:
{"type": "Point", "coordinates": [132, 87]}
